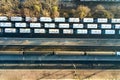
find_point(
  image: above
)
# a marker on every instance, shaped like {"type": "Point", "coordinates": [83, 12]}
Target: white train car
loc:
{"type": "Point", "coordinates": [59, 19]}
{"type": "Point", "coordinates": [117, 26]}
{"type": "Point", "coordinates": [67, 31]}
{"type": "Point", "coordinates": [45, 19]}
{"type": "Point", "coordinates": [30, 19]}
{"type": "Point", "coordinates": [10, 30]}
{"type": "Point", "coordinates": [74, 20]}
{"type": "Point", "coordinates": [34, 25]}
{"type": "Point", "coordinates": [102, 20]}
{"type": "Point", "coordinates": [64, 25]}
{"type": "Point", "coordinates": [109, 31]}
{"type": "Point", "coordinates": [106, 26]}
{"type": "Point", "coordinates": [96, 31]}
{"type": "Point", "coordinates": [117, 53]}
{"type": "Point", "coordinates": [92, 26]}
{"type": "Point", "coordinates": [16, 19]}
{"type": "Point", "coordinates": [88, 20]}
{"type": "Point", "coordinates": [20, 25]}
{"type": "Point", "coordinates": [49, 25]}
{"type": "Point", "coordinates": [115, 20]}
{"type": "Point", "coordinates": [25, 30]}
{"type": "Point", "coordinates": [53, 31]}
{"type": "Point", "coordinates": [5, 24]}
{"type": "Point", "coordinates": [78, 26]}
{"type": "Point", "coordinates": [82, 31]}
{"type": "Point", "coordinates": [3, 18]}
{"type": "Point", "coordinates": [42, 31]}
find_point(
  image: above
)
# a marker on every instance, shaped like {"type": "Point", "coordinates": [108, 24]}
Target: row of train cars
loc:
{"type": "Point", "coordinates": [60, 19]}
{"type": "Point", "coordinates": [112, 53]}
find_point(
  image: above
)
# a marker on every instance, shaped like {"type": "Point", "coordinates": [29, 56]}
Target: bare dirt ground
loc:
{"type": "Point", "coordinates": [59, 74]}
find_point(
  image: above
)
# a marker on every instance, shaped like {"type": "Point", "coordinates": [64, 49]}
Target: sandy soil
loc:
{"type": "Point", "coordinates": [59, 74]}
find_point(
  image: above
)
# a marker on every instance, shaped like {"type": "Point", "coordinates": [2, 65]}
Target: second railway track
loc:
{"type": "Point", "coordinates": [57, 48]}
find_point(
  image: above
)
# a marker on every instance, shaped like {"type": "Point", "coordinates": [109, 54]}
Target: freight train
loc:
{"type": "Point", "coordinates": [84, 53]}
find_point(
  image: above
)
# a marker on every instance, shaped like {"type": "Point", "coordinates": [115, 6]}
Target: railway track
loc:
{"type": "Point", "coordinates": [84, 57]}
{"type": "Point", "coordinates": [30, 61]}
{"type": "Point", "coordinates": [57, 48]}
